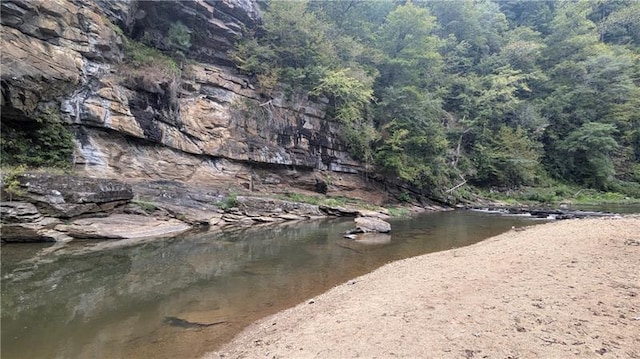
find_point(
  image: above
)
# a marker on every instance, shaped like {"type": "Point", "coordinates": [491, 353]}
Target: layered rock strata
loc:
{"type": "Point", "coordinates": [199, 122]}
{"type": "Point", "coordinates": [59, 208]}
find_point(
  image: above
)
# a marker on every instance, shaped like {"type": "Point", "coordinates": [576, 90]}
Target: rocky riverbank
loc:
{"type": "Point", "coordinates": [558, 290]}
{"type": "Point", "coordinates": [59, 208]}
{"type": "Point", "coordinates": [45, 207]}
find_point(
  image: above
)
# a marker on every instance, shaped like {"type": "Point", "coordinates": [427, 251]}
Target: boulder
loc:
{"type": "Point", "coordinates": [370, 224]}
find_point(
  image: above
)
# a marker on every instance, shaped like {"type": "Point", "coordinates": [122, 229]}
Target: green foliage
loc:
{"type": "Point", "coordinates": [148, 207]}
{"type": "Point", "coordinates": [413, 145]}
{"type": "Point", "coordinates": [295, 48]}
{"type": "Point", "coordinates": [589, 147]}
{"type": "Point", "coordinates": [148, 59]}
{"type": "Point", "coordinates": [398, 211]}
{"type": "Point", "coordinates": [595, 197]}
{"type": "Point", "coordinates": [351, 93]}
{"type": "Point", "coordinates": [509, 94]}
{"type": "Point", "coordinates": [230, 201]}
{"type": "Point", "coordinates": [510, 161]}
{"type": "Point", "coordinates": [404, 197]}
{"type": "Point", "coordinates": [45, 142]}
{"type": "Point", "coordinates": [179, 36]}
{"type": "Point", "coordinates": [10, 181]}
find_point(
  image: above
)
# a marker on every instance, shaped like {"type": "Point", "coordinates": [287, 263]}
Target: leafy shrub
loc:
{"type": "Point", "coordinates": [143, 57]}
{"type": "Point", "coordinates": [179, 36]}
{"type": "Point", "coordinates": [541, 195]}
{"type": "Point", "coordinates": [10, 182]}
{"type": "Point", "coordinates": [404, 197]}
{"type": "Point", "coordinates": [228, 202]}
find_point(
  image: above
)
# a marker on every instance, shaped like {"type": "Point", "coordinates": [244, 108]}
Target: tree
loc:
{"type": "Point", "coordinates": [410, 49]}
{"type": "Point", "coordinates": [350, 92]}
{"type": "Point", "coordinates": [589, 148]}
{"type": "Point", "coordinates": [511, 159]}
{"type": "Point", "coordinates": [434, 90]}
{"type": "Point", "coordinates": [413, 146]}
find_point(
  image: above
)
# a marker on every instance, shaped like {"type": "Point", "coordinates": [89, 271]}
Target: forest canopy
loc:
{"type": "Point", "coordinates": [438, 93]}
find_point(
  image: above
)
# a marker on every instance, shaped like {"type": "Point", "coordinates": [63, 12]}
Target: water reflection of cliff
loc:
{"type": "Point", "coordinates": [87, 289]}
{"type": "Point", "coordinates": [110, 299]}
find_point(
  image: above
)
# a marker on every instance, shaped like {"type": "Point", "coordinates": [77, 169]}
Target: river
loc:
{"type": "Point", "coordinates": [91, 300]}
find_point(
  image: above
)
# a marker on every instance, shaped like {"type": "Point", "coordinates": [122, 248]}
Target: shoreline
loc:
{"type": "Point", "coordinates": [563, 289]}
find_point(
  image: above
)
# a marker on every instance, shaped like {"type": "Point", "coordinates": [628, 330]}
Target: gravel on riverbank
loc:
{"type": "Point", "coordinates": [559, 290]}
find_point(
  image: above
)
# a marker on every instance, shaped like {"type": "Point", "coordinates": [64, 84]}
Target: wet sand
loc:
{"type": "Point", "coordinates": [559, 290]}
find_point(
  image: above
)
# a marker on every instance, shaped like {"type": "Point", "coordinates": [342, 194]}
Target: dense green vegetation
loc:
{"type": "Point", "coordinates": [44, 142]}
{"type": "Point", "coordinates": [492, 94]}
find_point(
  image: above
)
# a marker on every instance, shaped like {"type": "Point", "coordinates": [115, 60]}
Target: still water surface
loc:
{"type": "Point", "coordinates": [78, 302]}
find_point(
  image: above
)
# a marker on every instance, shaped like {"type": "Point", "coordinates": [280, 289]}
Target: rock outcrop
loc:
{"type": "Point", "coordinates": [123, 226]}
{"type": "Point", "coordinates": [194, 121]}
{"type": "Point", "coordinates": [44, 202]}
{"type": "Point", "coordinates": [64, 196]}
{"type": "Point", "coordinates": [58, 208]}
{"type": "Point", "coordinates": [183, 115]}
{"type": "Point", "coordinates": [22, 222]}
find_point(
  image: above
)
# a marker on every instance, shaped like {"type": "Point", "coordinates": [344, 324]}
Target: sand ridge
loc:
{"type": "Point", "coordinates": [559, 290]}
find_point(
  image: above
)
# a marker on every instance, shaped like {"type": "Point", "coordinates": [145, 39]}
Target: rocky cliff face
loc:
{"type": "Point", "coordinates": [199, 122]}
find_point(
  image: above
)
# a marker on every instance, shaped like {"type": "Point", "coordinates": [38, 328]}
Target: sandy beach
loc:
{"type": "Point", "coordinates": [568, 289]}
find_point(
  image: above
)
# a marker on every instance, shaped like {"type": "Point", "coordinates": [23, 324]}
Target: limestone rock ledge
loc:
{"type": "Point", "coordinates": [59, 208]}
{"type": "Point", "coordinates": [67, 58]}
{"type": "Point", "coordinates": [123, 226]}
{"type": "Point", "coordinates": [63, 196]}
{"type": "Point", "coordinates": [22, 222]}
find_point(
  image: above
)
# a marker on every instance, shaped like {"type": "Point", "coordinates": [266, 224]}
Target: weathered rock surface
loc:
{"type": "Point", "coordinates": [66, 57]}
{"type": "Point", "coordinates": [201, 123]}
{"type": "Point", "coordinates": [278, 207]}
{"type": "Point", "coordinates": [22, 222]}
{"type": "Point", "coordinates": [214, 24]}
{"type": "Point", "coordinates": [370, 224]}
{"type": "Point", "coordinates": [123, 226]}
{"type": "Point", "coordinates": [66, 196]}
{"type": "Point", "coordinates": [353, 212]}
{"type": "Point", "coordinates": [19, 212]}
{"type": "Point", "coordinates": [549, 213]}
{"type": "Point", "coordinates": [194, 205]}
{"type": "Point", "coordinates": [108, 209]}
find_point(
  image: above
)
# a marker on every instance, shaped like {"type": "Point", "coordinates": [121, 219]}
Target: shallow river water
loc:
{"type": "Point", "coordinates": [141, 300]}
